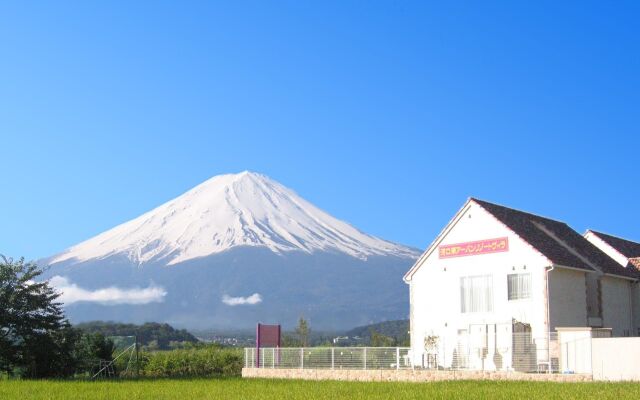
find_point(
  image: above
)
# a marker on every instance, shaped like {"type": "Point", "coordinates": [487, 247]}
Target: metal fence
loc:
{"type": "Point", "coordinates": [329, 358]}
{"type": "Point", "coordinates": [492, 351]}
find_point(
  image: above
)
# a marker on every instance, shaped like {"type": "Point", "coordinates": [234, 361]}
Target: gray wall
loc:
{"type": "Point", "coordinates": [568, 298]}
{"type": "Point", "coordinates": [616, 305]}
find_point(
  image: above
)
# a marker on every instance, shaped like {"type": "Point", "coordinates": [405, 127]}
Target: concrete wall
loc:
{"type": "Point", "coordinates": [435, 286]}
{"type": "Point", "coordinates": [593, 297]}
{"type": "Point", "coordinates": [616, 359]}
{"type": "Point", "coordinates": [404, 375]}
{"type": "Point", "coordinates": [568, 298]}
{"type": "Point", "coordinates": [575, 348]}
{"type": "Point", "coordinates": [616, 305]}
{"type": "Point", "coordinates": [635, 297]}
{"type": "Point", "coordinates": [613, 291]}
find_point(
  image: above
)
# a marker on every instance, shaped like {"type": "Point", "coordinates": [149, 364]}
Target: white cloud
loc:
{"type": "Point", "coordinates": [236, 301]}
{"type": "Point", "coordinates": [72, 293]}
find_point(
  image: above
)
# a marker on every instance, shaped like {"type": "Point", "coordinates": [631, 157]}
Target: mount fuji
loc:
{"type": "Point", "coordinates": [234, 250]}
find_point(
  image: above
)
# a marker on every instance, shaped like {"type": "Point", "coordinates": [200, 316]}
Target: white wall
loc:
{"type": "Point", "coordinates": [435, 287]}
{"type": "Point", "coordinates": [616, 359]}
{"type": "Point", "coordinates": [616, 305]}
{"type": "Point", "coordinates": [575, 350]}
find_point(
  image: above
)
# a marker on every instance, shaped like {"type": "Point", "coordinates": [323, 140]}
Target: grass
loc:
{"type": "Point", "coordinates": [237, 388]}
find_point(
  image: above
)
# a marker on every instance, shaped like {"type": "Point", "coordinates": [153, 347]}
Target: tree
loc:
{"type": "Point", "coordinates": [91, 350]}
{"type": "Point", "coordinates": [102, 347]}
{"type": "Point", "coordinates": [51, 354]}
{"type": "Point", "coordinates": [33, 331]}
{"type": "Point", "coordinates": [380, 340]}
{"type": "Point", "coordinates": [160, 335]}
{"type": "Point", "coordinates": [302, 330]}
{"type": "Point", "coordinates": [95, 347]}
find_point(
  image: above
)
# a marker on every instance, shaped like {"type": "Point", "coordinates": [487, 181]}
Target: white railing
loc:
{"type": "Point", "coordinates": [366, 358]}
{"type": "Point", "coordinates": [494, 351]}
{"type": "Point", "coordinates": [517, 352]}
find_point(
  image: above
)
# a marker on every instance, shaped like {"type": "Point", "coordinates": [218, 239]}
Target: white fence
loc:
{"type": "Point", "coordinates": [516, 352]}
{"type": "Point", "coordinates": [491, 351]}
{"type": "Point", "coordinates": [571, 352]}
{"type": "Point", "coordinates": [329, 358]}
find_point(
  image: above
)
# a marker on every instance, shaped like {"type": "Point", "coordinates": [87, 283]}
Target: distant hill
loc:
{"type": "Point", "coordinates": [152, 334]}
{"type": "Point", "coordinates": [398, 330]}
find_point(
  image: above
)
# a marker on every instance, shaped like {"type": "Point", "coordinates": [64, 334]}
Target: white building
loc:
{"type": "Point", "coordinates": [492, 286]}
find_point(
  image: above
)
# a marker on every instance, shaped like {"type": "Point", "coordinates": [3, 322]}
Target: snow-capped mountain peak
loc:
{"type": "Point", "coordinates": [245, 209]}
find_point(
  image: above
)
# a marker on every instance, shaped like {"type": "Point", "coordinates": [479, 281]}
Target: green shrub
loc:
{"type": "Point", "coordinates": [193, 362]}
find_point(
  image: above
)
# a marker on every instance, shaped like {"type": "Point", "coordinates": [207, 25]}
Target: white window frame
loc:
{"type": "Point", "coordinates": [522, 290]}
{"type": "Point", "coordinates": [476, 294]}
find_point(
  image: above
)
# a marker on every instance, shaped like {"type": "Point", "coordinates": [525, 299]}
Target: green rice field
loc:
{"type": "Point", "coordinates": [236, 388]}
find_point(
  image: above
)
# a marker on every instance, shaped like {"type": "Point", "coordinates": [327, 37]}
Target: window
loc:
{"type": "Point", "coordinates": [476, 294]}
{"type": "Point", "coordinates": [519, 286]}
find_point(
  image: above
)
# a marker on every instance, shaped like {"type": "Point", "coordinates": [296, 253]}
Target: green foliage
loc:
{"type": "Point", "coordinates": [35, 340]}
{"type": "Point", "coordinates": [99, 346]}
{"type": "Point", "coordinates": [199, 361]}
{"type": "Point", "coordinates": [90, 350]}
{"type": "Point", "coordinates": [314, 339]}
{"type": "Point", "coordinates": [265, 389]}
{"type": "Point", "coordinates": [289, 341]}
{"type": "Point", "coordinates": [154, 335]}
{"type": "Point", "coordinates": [302, 330]}
{"type": "Point", "coordinates": [398, 330]}
{"type": "Point", "coordinates": [51, 354]}
{"type": "Point", "coordinates": [380, 340]}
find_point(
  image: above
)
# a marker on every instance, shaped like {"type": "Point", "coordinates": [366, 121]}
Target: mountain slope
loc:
{"type": "Point", "coordinates": [233, 251]}
{"type": "Point", "coordinates": [245, 209]}
{"type": "Point", "coordinates": [396, 329]}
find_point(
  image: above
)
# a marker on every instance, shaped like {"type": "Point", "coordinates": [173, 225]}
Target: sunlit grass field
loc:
{"type": "Point", "coordinates": [236, 388]}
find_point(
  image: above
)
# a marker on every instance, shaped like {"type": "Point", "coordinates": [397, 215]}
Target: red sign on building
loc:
{"type": "Point", "coordinates": [474, 248]}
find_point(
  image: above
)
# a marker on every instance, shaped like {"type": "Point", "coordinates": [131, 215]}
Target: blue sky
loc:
{"type": "Point", "coordinates": [385, 114]}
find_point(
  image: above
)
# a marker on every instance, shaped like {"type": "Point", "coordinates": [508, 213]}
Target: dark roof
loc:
{"type": "Point", "coordinates": [556, 241]}
{"type": "Point", "coordinates": [626, 247]}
